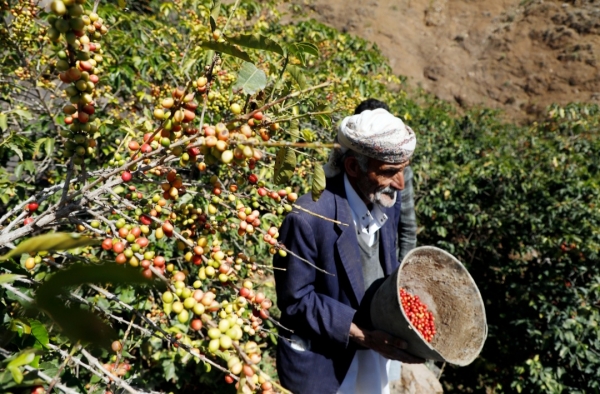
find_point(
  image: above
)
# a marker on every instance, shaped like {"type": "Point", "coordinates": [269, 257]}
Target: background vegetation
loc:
{"type": "Point", "coordinates": [518, 205]}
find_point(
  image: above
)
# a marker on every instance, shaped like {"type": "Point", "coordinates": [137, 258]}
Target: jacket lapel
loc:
{"type": "Point", "coordinates": [347, 244]}
{"type": "Point", "coordinates": [387, 243]}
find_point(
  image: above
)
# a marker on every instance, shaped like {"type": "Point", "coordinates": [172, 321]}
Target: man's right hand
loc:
{"type": "Point", "coordinates": [383, 343]}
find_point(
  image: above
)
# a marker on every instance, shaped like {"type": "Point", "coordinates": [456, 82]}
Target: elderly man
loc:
{"type": "Point", "coordinates": [407, 227]}
{"type": "Point", "coordinates": [336, 263]}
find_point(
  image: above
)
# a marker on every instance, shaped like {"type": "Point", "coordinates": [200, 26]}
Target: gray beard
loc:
{"type": "Point", "coordinates": [389, 192]}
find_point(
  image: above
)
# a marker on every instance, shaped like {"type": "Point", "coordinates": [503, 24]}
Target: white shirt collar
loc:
{"type": "Point", "coordinates": [366, 222]}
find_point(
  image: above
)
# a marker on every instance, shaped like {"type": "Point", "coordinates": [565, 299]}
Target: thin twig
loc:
{"type": "Point", "coordinates": [282, 99]}
{"type": "Point", "coordinates": [94, 361]}
{"type": "Point", "coordinates": [119, 354]}
{"type": "Point", "coordinates": [319, 216]}
{"type": "Point", "coordinates": [62, 366]}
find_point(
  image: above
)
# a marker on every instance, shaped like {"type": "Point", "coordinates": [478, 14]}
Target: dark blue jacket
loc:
{"type": "Point", "coordinates": [318, 306]}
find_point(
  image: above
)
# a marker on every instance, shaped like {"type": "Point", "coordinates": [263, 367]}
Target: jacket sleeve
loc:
{"type": "Point", "coordinates": [308, 312]}
{"type": "Point", "coordinates": [407, 228]}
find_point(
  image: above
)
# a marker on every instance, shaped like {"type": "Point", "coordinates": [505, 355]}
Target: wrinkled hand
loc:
{"type": "Point", "coordinates": [383, 343]}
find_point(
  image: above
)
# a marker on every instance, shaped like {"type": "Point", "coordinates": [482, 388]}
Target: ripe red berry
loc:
{"type": "Point", "coordinates": [107, 244]}
{"type": "Point", "coordinates": [33, 206]}
{"type": "Point", "coordinates": [126, 176]}
{"type": "Point", "coordinates": [418, 315]}
{"type": "Point", "coordinates": [252, 178]}
{"type": "Point", "coordinates": [28, 221]}
{"type": "Point", "coordinates": [118, 247]}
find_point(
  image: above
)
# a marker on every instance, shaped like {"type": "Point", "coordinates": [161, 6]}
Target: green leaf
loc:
{"type": "Point", "coordinates": [23, 358]}
{"type": "Point", "coordinates": [227, 48]}
{"type": "Point", "coordinates": [294, 129]}
{"type": "Point", "coordinates": [214, 14]}
{"type": "Point", "coordinates": [318, 182]}
{"type": "Point", "coordinates": [38, 144]}
{"type": "Point", "coordinates": [3, 122]}
{"type": "Point", "coordinates": [301, 49]}
{"type": "Point", "coordinates": [304, 47]}
{"type": "Point", "coordinates": [16, 149]}
{"type": "Point", "coordinates": [298, 74]}
{"type": "Point", "coordinates": [169, 369]}
{"type": "Point", "coordinates": [250, 79]}
{"type": "Point", "coordinates": [49, 146]}
{"type": "Point", "coordinates": [18, 171]}
{"type": "Point", "coordinates": [20, 327]}
{"type": "Point", "coordinates": [51, 241]}
{"type": "Point", "coordinates": [38, 330]}
{"type": "Point", "coordinates": [23, 114]}
{"type": "Point", "coordinates": [256, 41]}
{"type": "Point", "coordinates": [9, 278]}
{"type": "Point", "coordinates": [324, 120]}
{"type": "Point", "coordinates": [308, 135]}
{"type": "Point", "coordinates": [16, 373]}
{"type": "Point", "coordinates": [285, 165]}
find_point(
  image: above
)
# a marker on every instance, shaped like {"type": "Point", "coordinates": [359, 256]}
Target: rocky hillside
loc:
{"type": "Point", "coordinates": [518, 55]}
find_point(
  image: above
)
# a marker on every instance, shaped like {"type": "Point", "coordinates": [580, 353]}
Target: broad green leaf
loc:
{"type": "Point", "coordinates": [9, 278]}
{"type": "Point", "coordinates": [318, 182]}
{"type": "Point", "coordinates": [324, 120]}
{"type": "Point", "coordinates": [188, 64]}
{"type": "Point", "coordinates": [29, 166]}
{"type": "Point", "coordinates": [49, 146]}
{"type": "Point", "coordinates": [250, 79]}
{"type": "Point", "coordinates": [308, 135]}
{"type": "Point", "coordinates": [16, 149]}
{"type": "Point", "coordinates": [298, 74]}
{"type": "Point", "coordinates": [285, 165]}
{"type": "Point", "coordinates": [306, 47]}
{"type": "Point", "coordinates": [3, 122]}
{"type": "Point", "coordinates": [301, 49]}
{"type": "Point", "coordinates": [169, 370]}
{"type": "Point", "coordinates": [51, 241]}
{"type": "Point", "coordinates": [256, 41]}
{"type": "Point", "coordinates": [23, 114]}
{"type": "Point", "coordinates": [38, 145]}
{"type": "Point", "coordinates": [16, 373]}
{"type": "Point", "coordinates": [215, 11]}
{"type": "Point", "coordinates": [20, 327]}
{"type": "Point", "coordinates": [294, 129]}
{"type": "Point", "coordinates": [227, 48]}
{"type": "Point", "coordinates": [23, 358]}
{"type": "Point", "coordinates": [18, 172]}
{"type": "Point", "coordinates": [38, 330]}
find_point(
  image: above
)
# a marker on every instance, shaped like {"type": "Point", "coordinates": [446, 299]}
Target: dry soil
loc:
{"type": "Point", "coordinates": [518, 55]}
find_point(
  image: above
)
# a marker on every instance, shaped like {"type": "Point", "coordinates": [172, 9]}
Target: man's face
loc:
{"type": "Point", "coordinates": [381, 182]}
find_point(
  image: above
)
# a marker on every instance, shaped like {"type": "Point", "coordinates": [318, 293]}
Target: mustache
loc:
{"type": "Point", "coordinates": [390, 191]}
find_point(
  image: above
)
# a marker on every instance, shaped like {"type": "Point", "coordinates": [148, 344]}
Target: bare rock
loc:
{"type": "Point", "coordinates": [416, 379]}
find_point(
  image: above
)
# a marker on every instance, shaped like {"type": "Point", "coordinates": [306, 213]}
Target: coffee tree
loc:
{"type": "Point", "coordinates": [150, 185]}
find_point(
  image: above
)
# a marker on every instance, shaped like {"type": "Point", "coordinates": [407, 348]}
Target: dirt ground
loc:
{"type": "Point", "coordinates": [518, 55]}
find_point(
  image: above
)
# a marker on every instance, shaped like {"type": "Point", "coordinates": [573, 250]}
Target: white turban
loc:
{"type": "Point", "coordinates": [376, 134]}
